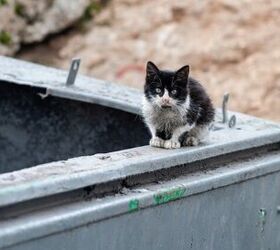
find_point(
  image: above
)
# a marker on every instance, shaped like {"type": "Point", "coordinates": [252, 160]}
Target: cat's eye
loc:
{"type": "Point", "coordinates": [158, 90]}
{"type": "Point", "coordinates": [174, 92]}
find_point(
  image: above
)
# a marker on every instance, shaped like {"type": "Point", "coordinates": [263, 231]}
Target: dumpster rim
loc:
{"type": "Point", "coordinates": [89, 212]}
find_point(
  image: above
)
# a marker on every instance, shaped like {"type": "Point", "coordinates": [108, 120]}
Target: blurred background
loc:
{"type": "Point", "coordinates": [232, 46]}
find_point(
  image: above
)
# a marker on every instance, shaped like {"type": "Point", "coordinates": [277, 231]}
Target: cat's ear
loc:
{"type": "Point", "coordinates": [151, 70]}
{"type": "Point", "coordinates": [183, 73]}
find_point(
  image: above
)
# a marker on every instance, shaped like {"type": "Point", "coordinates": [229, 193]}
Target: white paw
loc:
{"type": "Point", "coordinates": [171, 144]}
{"type": "Point", "coordinates": [156, 142]}
{"type": "Point", "coordinates": [191, 141]}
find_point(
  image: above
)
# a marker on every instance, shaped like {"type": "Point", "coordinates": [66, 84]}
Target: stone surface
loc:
{"type": "Point", "coordinates": [29, 21]}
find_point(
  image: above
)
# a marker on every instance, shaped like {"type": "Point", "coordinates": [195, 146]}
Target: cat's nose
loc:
{"type": "Point", "coordinates": [165, 103]}
{"type": "Point", "coordinates": [166, 100]}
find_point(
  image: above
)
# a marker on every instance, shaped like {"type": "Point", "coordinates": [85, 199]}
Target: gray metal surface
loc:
{"type": "Point", "coordinates": [85, 89]}
{"type": "Point", "coordinates": [62, 133]}
{"type": "Point", "coordinates": [35, 130]}
{"type": "Point", "coordinates": [90, 170]}
{"type": "Point", "coordinates": [45, 207]}
{"type": "Point", "coordinates": [218, 209]}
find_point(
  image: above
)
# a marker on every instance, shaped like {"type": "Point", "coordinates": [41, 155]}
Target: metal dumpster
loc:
{"type": "Point", "coordinates": [115, 193]}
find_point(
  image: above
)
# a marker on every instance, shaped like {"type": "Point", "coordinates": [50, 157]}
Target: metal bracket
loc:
{"type": "Point", "coordinates": [75, 64]}
{"type": "Point", "coordinates": [44, 95]}
{"type": "Point", "coordinates": [225, 101]}
{"type": "Point", "coordinates": [232, 120]}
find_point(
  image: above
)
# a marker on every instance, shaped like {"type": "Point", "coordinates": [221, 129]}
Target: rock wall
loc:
{"type": "Point", "coordinates": [29, 21]}
{"type": "Point", "coordinates": [232, 46]}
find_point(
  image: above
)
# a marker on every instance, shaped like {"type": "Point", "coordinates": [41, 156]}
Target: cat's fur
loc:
{"type": "Point", "coordinates": [175, 118]}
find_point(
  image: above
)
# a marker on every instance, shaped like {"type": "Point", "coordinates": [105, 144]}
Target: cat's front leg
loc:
{"type": "Point", "coordinates": [169, 144]}
{"type": "Point", "coordinates": [155, 140]}
{"type": "Point", "coordinates": [174, 142]}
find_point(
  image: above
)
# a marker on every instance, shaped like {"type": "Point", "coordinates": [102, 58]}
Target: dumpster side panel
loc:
{"type": "Point", "coordinates": [239, 216]}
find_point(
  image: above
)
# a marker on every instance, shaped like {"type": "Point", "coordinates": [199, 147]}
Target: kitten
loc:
{"type": "Point", "coordinates": [176, 108]}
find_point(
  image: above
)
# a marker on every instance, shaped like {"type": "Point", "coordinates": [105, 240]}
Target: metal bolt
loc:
{"type": "Point", "coordinates": [225, 101]}
{"type": "Point", "coordinates": [75, 64]}
{"type": "Point", "coordinates": [232, 121]}
{"type": "Point", "coordinates": [278, 210]}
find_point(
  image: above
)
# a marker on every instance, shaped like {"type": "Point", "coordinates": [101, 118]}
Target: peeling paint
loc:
{"type": "Point", "coordinates": [168, 196]}
{"type": "Point", "coordinates": [133, 205]}
{"type": "Point", "coordinates": [262, 218]}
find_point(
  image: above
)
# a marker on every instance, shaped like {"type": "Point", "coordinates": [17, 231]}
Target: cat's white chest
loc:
{"type": "Point", "coordinates": [167, 120]}
{"type": "Point", "coordinates": [162, 119]}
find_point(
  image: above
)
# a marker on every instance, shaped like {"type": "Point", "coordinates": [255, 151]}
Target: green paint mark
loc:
{"type": "Point", "coordinates": [133, 205]}
{"type": "Point", "coordinates": [262, 218]}
{"type": "Point", "coordinates": [5, 37]}
{"type": "Point", "coordinates": [171, 195]}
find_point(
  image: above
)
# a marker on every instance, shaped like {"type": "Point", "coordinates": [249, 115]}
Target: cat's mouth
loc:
{"type": "Point", "coordinates": [166, 106]}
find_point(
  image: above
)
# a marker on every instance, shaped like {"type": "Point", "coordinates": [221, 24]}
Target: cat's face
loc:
{"type": "Point", "coordinates": [166, 89]}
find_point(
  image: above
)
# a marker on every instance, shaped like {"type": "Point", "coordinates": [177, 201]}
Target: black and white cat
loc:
{"type": "Point", "coordinates": [176, 108]}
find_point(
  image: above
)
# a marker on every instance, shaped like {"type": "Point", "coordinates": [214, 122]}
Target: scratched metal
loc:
{"type": "Point", "coordinates": [234, 196]}
{"type": "Point", "coordinates": [220, 209]}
